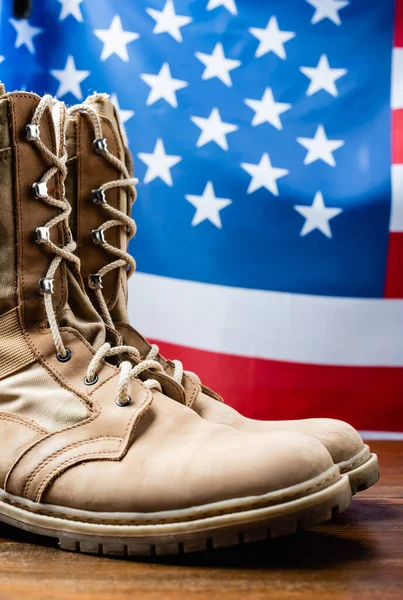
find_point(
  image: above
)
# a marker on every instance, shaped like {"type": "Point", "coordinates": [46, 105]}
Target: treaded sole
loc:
{"type": "Point", "coordinates": [218, 532]}
{"type": "Point", "coordinates": [364, 476]}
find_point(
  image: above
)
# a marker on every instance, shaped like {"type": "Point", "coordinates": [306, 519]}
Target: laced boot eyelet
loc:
{"type": "Point", "coordinates": [98, 236]}
{"type": "Point", "coordinates": [123, 404]}
{"type": "Point", "coordinates": [95, 281]}
{"type": "Point", "coordinates": [100, 146]}
{"type": "Point", "coordinates": [92, 381]}
{"type": "Point", "coordinates": [64, 358]}
{"type": "Point", "coordinates": [46, 285]}
{"type": "Point", "coordinates": [32, 132]}
{"type": "Point", "coordinates": [40, 189]}
{"type": "Point", "coordinates": [42, 235]}
{"type": "Point", "coordinates": [98, 196]}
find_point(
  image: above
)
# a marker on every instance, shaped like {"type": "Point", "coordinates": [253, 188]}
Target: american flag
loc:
{"type": "Point", "coordinates": [268, 141]}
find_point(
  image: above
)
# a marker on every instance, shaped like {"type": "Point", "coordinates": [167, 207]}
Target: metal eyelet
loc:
{"type": "Point", "coordinates": [42, 235]}
{"type": "Point", "coordinates": [98, 196]}
{"type": "Point", "coordinates": [32, 132]}
{"type": "Point", "coordinates": [98, 236]}
{"type": "Point", "coordinates": [40, 189]}
{"type": "Point", "coordinates": [46, 285]}
{"type": "Point", "coordinates": [95, 281]}
{"type": "Point", "coordinates": [122, 404]}
{"type": "Point", "coordinates": [91, 381]}
{"type": "Point", "coordinates": [100, 146]}
{"type": "Point", "coordinates": [64, 358]}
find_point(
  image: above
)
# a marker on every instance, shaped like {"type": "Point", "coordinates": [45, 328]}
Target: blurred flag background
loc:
{"type": "Point", "coordinates": [268, 141]}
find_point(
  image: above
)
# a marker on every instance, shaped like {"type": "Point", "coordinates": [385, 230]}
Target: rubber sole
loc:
{"type": "Point", "coordinates": [362, 471]}
{"type": "Point", "coordinates": [190, 535]}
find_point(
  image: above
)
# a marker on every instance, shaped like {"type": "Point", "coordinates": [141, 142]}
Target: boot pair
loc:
{"type": "Point", "coordinates": [102, 444]}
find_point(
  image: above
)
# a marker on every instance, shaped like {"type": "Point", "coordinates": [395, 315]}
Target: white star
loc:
{"type": "Point", "coordinates": [228, 4]}
{"type": "Point", "coordinates": [125, 115]}
{"type": "Point", "coordinates": [159, 164]}
{"type": "Point", "coordinates": [264, 175]}
{"type": "Point", "coordinates": [271, 39]}
{"type": "Point", "coordinates": [322, 77]}
{"type": "Point", "coordinates": [208, 206]}
{"type": "Point", "coordinates": [163, 86]}
{"type": "Point", "coordinates": [167, 21]}
{"type": "Point", "coordinates": [71, 7]}
{"type": "Point", "coordinates": [217, 65]}
{"type": "Point", "coordinates": [320, 147]}
{"type": "Point", "coordinates": [267, 110]}
{"type": "Point", "coordinates": [327, 9]}
{"type": "Point", "coordinates": [115, 40]}
{"type": "Point", "coordinates": [25, 33]}
{"type": "Point", "coordinates": [70, 79]}
{"type": "Point", "coordinates": [1, 59]}
{"type": "Point", "coordinates": [317, 216]}
{"type": "Point", "coordinates": [213, 129]}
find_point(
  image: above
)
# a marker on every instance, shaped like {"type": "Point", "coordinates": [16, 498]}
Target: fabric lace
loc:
{"type": "Point", "coordinates": [61, 253]}
{"type": "Point", "coordinates": [178, 366]}
{"type": "Point", "coordinates": [120, 219]}
{"type": "Point", "coordinates": [58, 167]}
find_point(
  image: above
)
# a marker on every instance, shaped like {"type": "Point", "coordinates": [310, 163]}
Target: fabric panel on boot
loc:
{"type": "Point", "coordinates": [8, 297]}
{"type": "Point", "coordinates": [14, 350]}
{"type": "Point", "coordinates": [32, 393]}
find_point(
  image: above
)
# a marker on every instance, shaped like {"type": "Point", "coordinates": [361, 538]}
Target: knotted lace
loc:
{"type": "Point", "coordinates": [126, 368]}
{"type": "Point", "coordinates": [178, 366]}
{"type": "Point", "coordinates": [58, 166]}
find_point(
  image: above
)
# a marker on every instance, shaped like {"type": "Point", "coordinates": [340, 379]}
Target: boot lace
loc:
{"type": "Point", "coordinates": [46, 284]}
{"type": "Point", "coordinates": [119, 219]}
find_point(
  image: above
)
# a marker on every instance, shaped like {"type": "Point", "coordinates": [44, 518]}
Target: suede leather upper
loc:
{"type": "Point", "coordinates": [178, 460]}
{"type": "Point", "coordinates": [340, 439]}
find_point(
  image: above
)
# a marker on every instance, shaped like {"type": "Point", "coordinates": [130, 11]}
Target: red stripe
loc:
{"type": "Point", "coordinates": [394, 270]}
{"type": "Point", "coordinates": [397, 136]}
{"type": "Point", "coordinates": [398, 37]}
{"type": "Point", "coordinates": [370, 398]}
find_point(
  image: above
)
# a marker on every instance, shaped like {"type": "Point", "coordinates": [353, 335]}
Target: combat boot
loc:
{"type": "Point", "coordinates": [90, 454]}
{"type": "Point", "coordinates": [101, 189]}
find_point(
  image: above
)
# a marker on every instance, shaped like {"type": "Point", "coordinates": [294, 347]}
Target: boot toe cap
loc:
{"type": "Point", "coordinates": [339, 438]}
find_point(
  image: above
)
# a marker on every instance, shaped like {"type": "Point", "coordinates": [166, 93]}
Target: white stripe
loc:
{"type": "Point", "coordinates": [396, 215]}
{"type": "Point", "coordinates": [381, 435]}
{"type": "Point", "coordinates": [397, 80]}
{"type": "Point", "coordinates": [271, 325]}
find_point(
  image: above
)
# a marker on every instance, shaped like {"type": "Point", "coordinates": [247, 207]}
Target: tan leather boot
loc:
{"type": "Point", "coordinates": [91, 454]}
{"type": "Point", "coordinates": [101, 190]}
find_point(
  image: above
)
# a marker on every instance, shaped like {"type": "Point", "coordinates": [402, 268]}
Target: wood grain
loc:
{"type": "Point", "coordinates": [360, 556]}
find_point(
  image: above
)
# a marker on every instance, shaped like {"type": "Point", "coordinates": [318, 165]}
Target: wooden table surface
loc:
{"type": "Point", "coordinates": [360, 556]}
